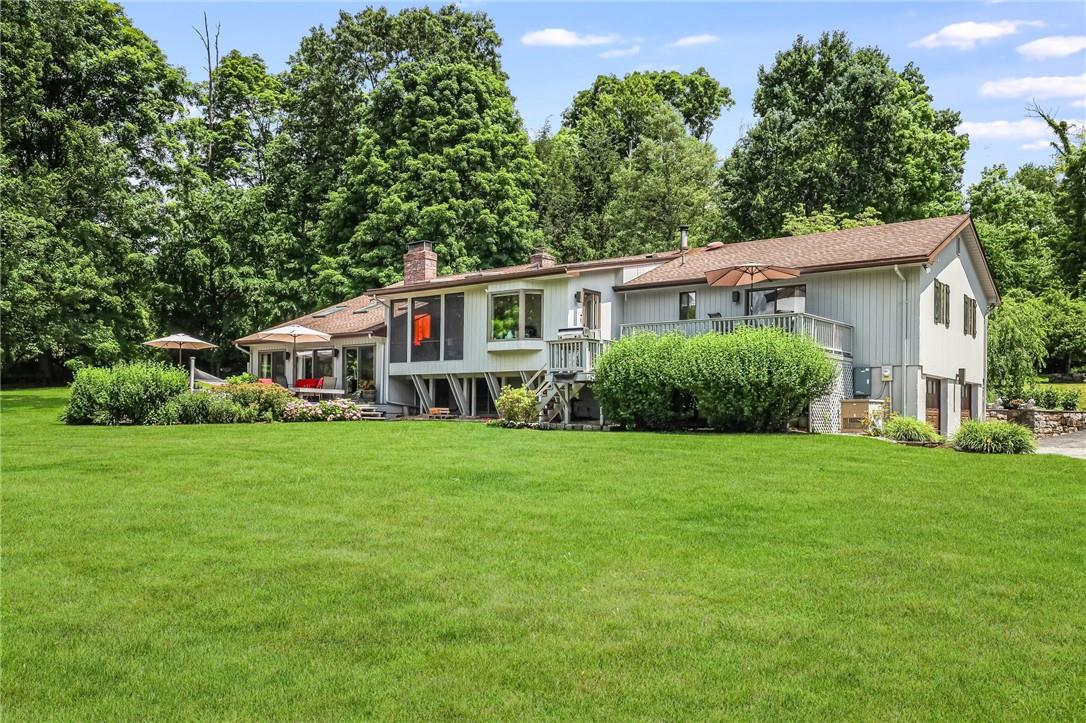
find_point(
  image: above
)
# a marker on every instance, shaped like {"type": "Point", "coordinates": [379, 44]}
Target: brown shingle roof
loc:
{"type": "Point", "coordinates": [523, 271]}
{"type": "Point", "coordinates": [902, 242]}
{"type": "Point", "coordinates": [361, 315]}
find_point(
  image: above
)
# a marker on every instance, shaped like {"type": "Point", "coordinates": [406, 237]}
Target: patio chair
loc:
{"type": "Point", "coordinates": [328, 382]}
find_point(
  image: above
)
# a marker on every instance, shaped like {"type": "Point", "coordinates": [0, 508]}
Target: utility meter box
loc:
{"type": "Point", "coordinates": [887, 373]}
{"type": "Point", "coordinates": [861, 382]}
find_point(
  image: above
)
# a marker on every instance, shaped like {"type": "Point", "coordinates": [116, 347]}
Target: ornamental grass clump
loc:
{"type": "Point", "coordinates": [995, 437]}
{"type": "Point", "coordinates": [637, 382]}
{"type": "Point", "coordinates": [909, 429]}
{"type": "Point", "coordinates": [754, 380]}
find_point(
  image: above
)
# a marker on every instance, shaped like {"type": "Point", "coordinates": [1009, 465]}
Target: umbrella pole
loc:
{"type": "Point", "coordinates": [179, 354]}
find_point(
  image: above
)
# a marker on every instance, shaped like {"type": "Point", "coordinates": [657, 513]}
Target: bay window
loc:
{"type": "Point", "coordinates": [516, 315]}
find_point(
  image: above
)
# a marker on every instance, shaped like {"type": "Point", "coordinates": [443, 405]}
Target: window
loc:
{"type": "Point", "coordinates": [516, 315]}
{"type": "Point", "coordinates": [591, 310]}
{"type": "Point", "coordinates": [688, 305]}
{"type": "Point", "coordinates": [314, 364]}
{"type": "Point", "coordinates": [328, 312]}
{"type": "Point", "coordinates": [782, 300]}
{"type": "Point", "coordinates": [970, 324]}
{"type": "Point", "coordinates": [273, 365]}
{"type": "Point", "coordinates": [942, 303]}
{"type": "Point", "coordinates": [426, 328]}
{"type": "Point", "coordinates": [359, 364]}
{"type": "Point", "coordinates": [454, 326]}
{"type": "Point", "coordinates": [397, 335]}
{"type": "Point", "coordinates": [533, 315]}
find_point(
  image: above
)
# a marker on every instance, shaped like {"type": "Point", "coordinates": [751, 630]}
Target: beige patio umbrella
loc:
{"type": "Point", "coordinates": [748, 274]}
{"type": "Point", "coordinates": [293, 333]}
{"type": "Point", "coordinates": [179, 342]}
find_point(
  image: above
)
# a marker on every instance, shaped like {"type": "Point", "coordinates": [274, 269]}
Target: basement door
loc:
{"type": "Point", "coordinates": [932, 406]}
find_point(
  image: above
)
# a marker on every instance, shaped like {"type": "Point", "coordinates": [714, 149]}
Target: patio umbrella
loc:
{"type": "Point", "coordinates": [179, 342]}
{"type": "Point", "coordinates": [749, 274]}
{"type": "Point", "coordinates": [293, 333]}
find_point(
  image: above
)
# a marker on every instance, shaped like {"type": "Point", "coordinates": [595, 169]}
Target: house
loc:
{"type": "Point", "coordinates": [355, 351]}
{"type": "Point", "coordinates": [901, 309]}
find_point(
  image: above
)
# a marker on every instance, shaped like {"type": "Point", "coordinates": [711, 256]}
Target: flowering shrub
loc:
{"type": "Point", "coordinates": [517, 404]}
{"type": "Point", "coordinates": [335, 410]}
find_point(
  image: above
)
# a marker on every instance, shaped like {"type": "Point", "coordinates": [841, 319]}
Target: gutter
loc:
{"type": "Point", "coordinates": [904, 342]}
{"type": "Point", "coordinates": [906, 260]}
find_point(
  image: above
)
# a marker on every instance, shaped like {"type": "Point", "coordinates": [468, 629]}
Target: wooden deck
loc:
{"type": "Point", "coordinates": [834, 336]}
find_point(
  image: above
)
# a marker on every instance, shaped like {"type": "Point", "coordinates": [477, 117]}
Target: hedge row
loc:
{"type": "Point", "coordinates": [149, 393]}
{"type": "Point", "coordinates": [752, 380]}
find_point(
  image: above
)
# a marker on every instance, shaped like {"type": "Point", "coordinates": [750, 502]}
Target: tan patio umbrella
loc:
{"type": "Point", "coordinates": [749, 274]}
{"type": "Point", "coordinates": [293, 333]}
{"type": "Point", "coordinates": [179, 342]}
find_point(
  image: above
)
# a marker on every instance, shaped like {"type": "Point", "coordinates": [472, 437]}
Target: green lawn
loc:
{"type": "Point", "coordinates": [448, 570]}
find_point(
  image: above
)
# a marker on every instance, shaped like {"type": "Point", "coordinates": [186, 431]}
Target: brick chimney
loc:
{"type": "Point", "coordinates": [541, 259]}
{"type": "Point", "coordinates": [419, 263]}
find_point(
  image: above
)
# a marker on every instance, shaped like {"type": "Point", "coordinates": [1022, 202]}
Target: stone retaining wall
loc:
{"type": "Point", "coordinates": [1043, 422]}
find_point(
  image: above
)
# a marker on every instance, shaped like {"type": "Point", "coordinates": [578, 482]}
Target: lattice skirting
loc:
{"type": "Point", "coordinates": [825, 412]}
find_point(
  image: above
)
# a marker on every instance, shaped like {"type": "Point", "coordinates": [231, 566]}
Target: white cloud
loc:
{"type": "Point", "coordinates": [966, 36]}
{"type": "Point", "coordinates": [621, 52]}
{"type": "Point", "coordinates": [1080, 103]}
{"type": "Point", "coordinates": [1034, 131]}
{"type": "Point", "coordinates": [562, 38]}
{"type": "Point", "coordinates": [691, 40]}
{"type": "Point", "coordinates": [1027, 128]}
{"type": "Point", "coordinates": [1049, 86]}
{"type": "Point", "coordinates": [1036, 145]}
{"type": "Point", "coordinates": [1054, 46]}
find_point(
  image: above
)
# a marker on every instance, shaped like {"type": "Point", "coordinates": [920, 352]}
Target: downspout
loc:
{"type": "Point", "coordinates": [904, 341]}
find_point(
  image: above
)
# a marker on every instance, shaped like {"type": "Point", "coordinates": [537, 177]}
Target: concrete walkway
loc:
{"type": "Point", "coordinates": [1069, 445]}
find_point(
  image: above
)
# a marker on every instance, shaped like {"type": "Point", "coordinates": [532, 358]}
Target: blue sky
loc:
{"type": "Point", "coordinates": [987, 60]}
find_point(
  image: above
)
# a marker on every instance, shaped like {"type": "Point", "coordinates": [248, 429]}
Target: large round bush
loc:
{"type": "Point", "coordinates": [994, 437]}
{"type": "Point", "coordinates": [754, 380]}
{"type": "Point", "coordinates": [637, 385]}
{"type": "Point", "coordinates": [125, 393]}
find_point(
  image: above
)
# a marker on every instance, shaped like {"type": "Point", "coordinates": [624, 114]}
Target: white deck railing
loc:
{"type": "Point", "coordinates": [573, 356]}
{"type": "Point", "coordinates": [834, 336]}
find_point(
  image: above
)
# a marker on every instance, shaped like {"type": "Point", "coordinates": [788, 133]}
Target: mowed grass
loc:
{"type": "Point", "coordinates": [415, 570]}
{"type": "Point", "coordinates": [1078, 387]}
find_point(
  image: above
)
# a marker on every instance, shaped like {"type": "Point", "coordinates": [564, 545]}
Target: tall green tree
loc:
{"type": "Point", "coordinates": [86, 100]}
{"type": "Point", "coordinates": [1018, 226]}
{"type": "Point", "coordinates": [1017, 336]}
{"type": "Point", "coordinates": [1070, 147]}
{"type": "Point", "coordinates": [331, 75]}
{"type": "Point", "coordinates": [838, 126]}
{"type": "Point", "coordinates": [665, 182]}
{"type": "Point", "coordinates": [800, 222]}
{"type": "Point", "coordinates": [595, 174]}
{"type": "Point", "coordinates": [442, 156]}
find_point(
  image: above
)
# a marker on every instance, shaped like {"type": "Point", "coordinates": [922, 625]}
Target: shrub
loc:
{"type": "Point", "coordinates": [754, 380]}
{"type": "Point", "coordinates": [129, 392]}
{"type": "Point", "coordinates": [517, 404]}
{"type": "Point", "coordinates": [269, 400]}
{"type": "Point", "coordinates": [243, 378]}
{"type": "Point", "coordinates": [909, 429]}
{"type": "Point", "coordinates": [1048, 396]}
{"type": "Point", "coordinates": [994, 438]}
{"type": "Point", "coordinates": [637, 382]}
{"type": "Point", "coordinates": [333, 410]}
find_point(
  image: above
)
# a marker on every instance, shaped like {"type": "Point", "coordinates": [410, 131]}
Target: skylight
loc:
{"type": "Point", "coordinates": [328, 311]}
